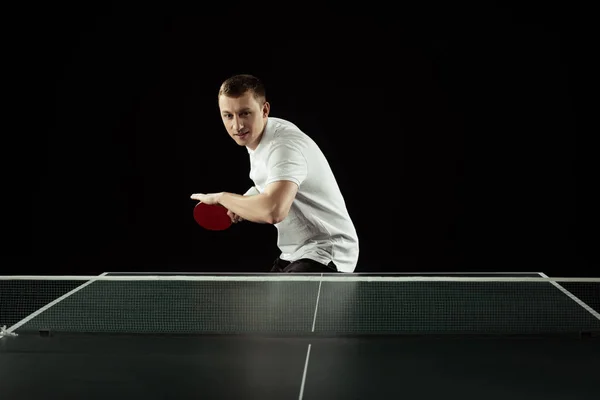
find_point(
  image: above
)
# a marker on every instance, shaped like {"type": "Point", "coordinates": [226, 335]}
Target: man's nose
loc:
{"type": "Point", "coordinates": [238, 124]}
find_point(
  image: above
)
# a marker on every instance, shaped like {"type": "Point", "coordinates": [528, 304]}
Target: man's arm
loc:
{"type": "Point", "coordinates": [269, 207]}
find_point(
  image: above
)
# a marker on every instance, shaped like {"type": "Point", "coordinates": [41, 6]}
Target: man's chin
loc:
{"type": "Point", "coordinates": [244, 141]}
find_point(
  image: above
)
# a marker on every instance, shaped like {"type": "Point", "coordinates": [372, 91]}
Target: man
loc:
{"type": "Point", "coordinates": [294, 187]}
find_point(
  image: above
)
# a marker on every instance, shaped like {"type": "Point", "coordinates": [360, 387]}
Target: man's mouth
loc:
{"type": "Point", "coordinates": [242, 135]}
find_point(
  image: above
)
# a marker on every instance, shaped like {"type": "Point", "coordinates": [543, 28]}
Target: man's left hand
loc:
{"type": "Point", "coordinates": [210, 198]}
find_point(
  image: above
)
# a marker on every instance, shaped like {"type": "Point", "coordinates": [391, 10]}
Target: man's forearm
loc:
{"type": "Point", "coordinates": [259, 208]}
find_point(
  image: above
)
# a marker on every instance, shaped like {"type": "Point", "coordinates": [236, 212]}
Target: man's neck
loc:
{"type": "Point", "coordinates": [260, 137]}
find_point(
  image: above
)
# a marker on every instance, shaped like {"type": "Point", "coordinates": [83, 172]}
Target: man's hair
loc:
{"type": "Point", "coordinates": [238, 85]}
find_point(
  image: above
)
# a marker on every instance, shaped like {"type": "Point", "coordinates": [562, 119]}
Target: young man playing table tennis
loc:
{"type": "Point", "coordinates": [294, 186]}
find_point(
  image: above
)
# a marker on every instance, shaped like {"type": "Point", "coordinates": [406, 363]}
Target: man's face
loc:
{"type": "Point", "coordinates": [244, 118]}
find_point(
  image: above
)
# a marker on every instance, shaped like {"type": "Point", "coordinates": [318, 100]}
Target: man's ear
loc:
{"type": "Point", "coordinates": [266, 109]}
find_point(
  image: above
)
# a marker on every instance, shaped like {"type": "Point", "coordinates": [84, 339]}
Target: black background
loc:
{"type": "Point", "coordinates": [457, 136]}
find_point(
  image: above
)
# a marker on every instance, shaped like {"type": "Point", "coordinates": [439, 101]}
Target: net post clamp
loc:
{"type": "Point", "coordinates": [5, 332]}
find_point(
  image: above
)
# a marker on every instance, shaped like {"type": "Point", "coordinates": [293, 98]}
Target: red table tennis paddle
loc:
{"type": "Point", "coordinates": [212, 217]}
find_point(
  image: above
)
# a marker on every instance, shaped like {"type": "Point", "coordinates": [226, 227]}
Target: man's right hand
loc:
{"type": "Point", "coordinates": [234, 217]}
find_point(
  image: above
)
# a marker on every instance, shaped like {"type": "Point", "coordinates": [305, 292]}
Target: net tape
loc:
{"type": "Point", "coordinates": [296, 278]}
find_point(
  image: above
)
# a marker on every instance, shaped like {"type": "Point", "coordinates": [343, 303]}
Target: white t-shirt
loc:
{"type": "Point", "coordinates": [318, 225]}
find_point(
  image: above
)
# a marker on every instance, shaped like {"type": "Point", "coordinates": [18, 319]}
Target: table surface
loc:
{"type": "Point", "coordinates": [301, 340]}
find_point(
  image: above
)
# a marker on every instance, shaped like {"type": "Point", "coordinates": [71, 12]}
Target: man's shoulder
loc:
{"type": "Point", "coordinates": [281, 126]}
{"type": "Point", "coordinates": [286, 132]}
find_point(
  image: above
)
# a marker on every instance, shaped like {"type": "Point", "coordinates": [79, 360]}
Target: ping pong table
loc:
{"type": "Point", "coordinates": [265, 336]}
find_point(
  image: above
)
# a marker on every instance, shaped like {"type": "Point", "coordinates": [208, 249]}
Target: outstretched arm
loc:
{"type": "Point", "coordinates": [287, 169]}
{"type": "Point", "coordinates": [253, 191]}
{"type": "Point", "coordinates": [269, 207]}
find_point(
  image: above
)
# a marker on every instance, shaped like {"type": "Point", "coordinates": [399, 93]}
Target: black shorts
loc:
{"type": "Point", "coordinates": [302, 265]}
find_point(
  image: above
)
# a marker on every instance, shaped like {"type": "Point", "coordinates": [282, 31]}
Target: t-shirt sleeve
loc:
{"type": "Point", "coordinates": [286, 162]}
{"type": "Point", "coordinates": [253, 191]}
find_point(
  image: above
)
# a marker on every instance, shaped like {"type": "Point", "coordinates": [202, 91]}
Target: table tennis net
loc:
{"type": "Point", "coordinates": [298, 305]}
